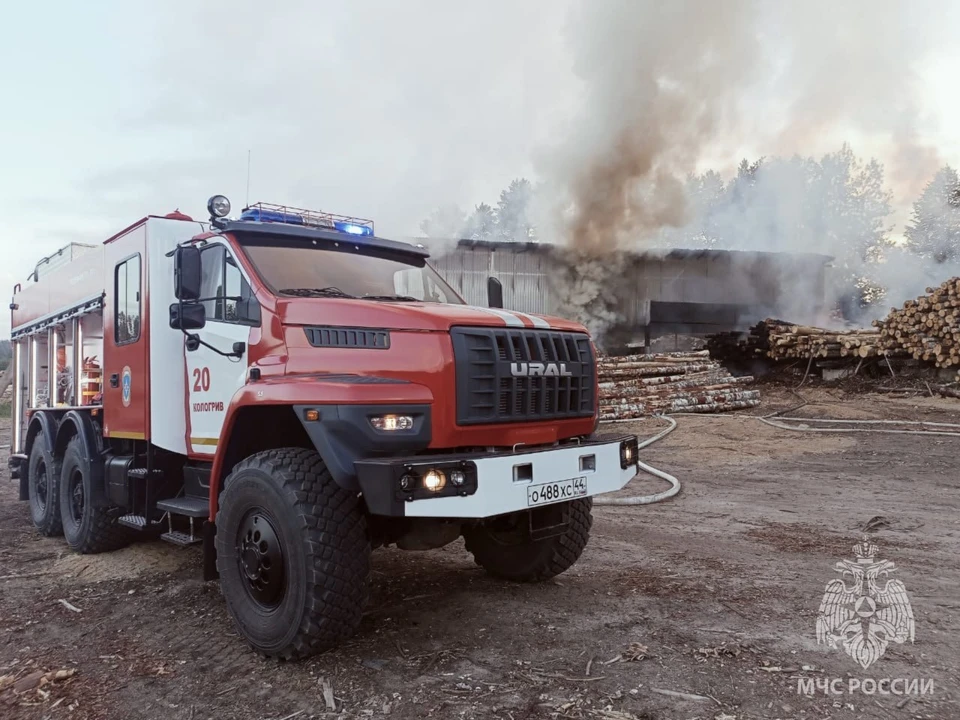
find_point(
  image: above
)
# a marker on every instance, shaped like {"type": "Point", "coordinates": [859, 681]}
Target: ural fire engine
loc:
{"type": "Point", "coordinates": [291, 391]}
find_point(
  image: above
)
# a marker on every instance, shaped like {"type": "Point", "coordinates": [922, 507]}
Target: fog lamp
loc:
{"type": "Point", "coordinates": [391, 423]}
{"type": "Point", "coordinates": [457, 477]}
{"type": "Point", "coordinates": [628, 453]}
{"type": "Point", "coordinates": [434, 480]}
{"type": "Point", "coordinates": [218, 206]}
{"type": "Point", "coordinates": [408, 482]}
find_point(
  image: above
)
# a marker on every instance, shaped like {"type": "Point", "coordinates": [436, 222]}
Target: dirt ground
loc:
{"type": "Point", "coordinates": [703, 606]}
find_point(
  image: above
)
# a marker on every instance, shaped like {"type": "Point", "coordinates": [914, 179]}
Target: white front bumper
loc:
{"type": "Point", "coordinates": [498, 493]}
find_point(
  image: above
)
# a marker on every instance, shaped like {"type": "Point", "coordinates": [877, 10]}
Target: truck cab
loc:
{"type": "Point", "coordinates": [291, 391]}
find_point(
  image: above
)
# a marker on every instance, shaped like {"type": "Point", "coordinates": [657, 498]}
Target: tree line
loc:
{"type": "Point", "coordinates": [6, 354]}
{"type": "Point", "coordinates": [837, 205]}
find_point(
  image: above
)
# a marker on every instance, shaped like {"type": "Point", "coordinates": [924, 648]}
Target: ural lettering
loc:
{"type": "Point", "coordinates": [522, 369]}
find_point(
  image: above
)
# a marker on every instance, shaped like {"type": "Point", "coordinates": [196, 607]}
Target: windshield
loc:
{"type": "Point", "coordinates": [308, 270]}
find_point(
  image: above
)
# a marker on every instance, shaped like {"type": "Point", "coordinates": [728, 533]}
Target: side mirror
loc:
{"type": "Point", "coordinates": [187, 317]}
{"type": "Point", "coordinates": [187, 273]}
{"type": "Point", "coordinates": [494, 293]}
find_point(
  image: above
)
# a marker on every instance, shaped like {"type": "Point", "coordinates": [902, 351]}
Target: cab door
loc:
{"type": "Point", "coordinates": [125, 387]}
{"type": "Point", "coordinates": [214, 377]}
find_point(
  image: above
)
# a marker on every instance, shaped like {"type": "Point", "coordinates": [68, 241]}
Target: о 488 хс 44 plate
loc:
{"type": "Point", "coordinates": [558, 491]}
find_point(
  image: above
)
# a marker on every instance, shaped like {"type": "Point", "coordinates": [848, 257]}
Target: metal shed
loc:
{"type": "Point", "coordinates": [671, 291]}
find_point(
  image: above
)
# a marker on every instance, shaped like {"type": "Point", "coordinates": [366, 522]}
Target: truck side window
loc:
{"type": "Point", "coordinates": [211, 280]}
{"type": "Point", "coordinates": [226, 295]}
{"type": "Point", "coordinates": [126, 313]}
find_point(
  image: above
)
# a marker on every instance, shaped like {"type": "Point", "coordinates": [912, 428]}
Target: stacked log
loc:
{"type": "Point", "coordinates": [640, 385]}
{"type": "Point", "coordinates": [779, 340]}
{"type": "Point", "coordinates": [927, 328]}
{"type": "Point", "coordinates": [743, 346]}
{"type": "Point", "coordinates": [804, 341]}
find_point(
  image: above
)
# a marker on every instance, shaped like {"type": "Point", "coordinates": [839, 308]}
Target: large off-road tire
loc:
{"type": "Point", "coordinates": [504, 549]}
{"type": "Point", "coordinates": [86, 528]}
{"type": "Point", "coordinates": [292, 553]}
{"type": "Point", "coordinates": [43, 482]}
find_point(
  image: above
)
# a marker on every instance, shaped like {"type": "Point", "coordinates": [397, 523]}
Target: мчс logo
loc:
{"type": "Point", "coordinates": [865, 616]}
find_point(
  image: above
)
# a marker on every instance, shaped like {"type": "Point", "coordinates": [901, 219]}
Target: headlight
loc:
{"type": "Point", "coordinates": [434, 480]}
{"type": "Point", "coordinates": [408, 482]}
{"type": "Point", "coordinates": [390, 423]}
{"type": "Point", "coordinates": [628, 453]}
{"type": "Point", "coordinates": [421, 481]}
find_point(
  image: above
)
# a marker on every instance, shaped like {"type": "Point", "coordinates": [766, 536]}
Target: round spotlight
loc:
{"type": "Point", "coordinates": [457, 478]}
{"type": "Point", "coordinates": [218, 206]}
{"type": "Point", "coordinates": [434, 480]}
{"type": "Point", "coordinates": [408, 482]}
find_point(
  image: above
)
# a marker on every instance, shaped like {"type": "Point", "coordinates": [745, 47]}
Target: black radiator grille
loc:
{"type": "Point", "coordinates": [522, 375]}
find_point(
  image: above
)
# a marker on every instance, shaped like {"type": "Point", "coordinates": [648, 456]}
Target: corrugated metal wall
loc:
{"type": "Point", "coordinates": [716, 277]}
{"type": "Point", "coordinates": [523, 275]}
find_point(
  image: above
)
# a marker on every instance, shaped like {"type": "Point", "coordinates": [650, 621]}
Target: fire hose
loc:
{"type": "Point", "coordinates": [782, 426]}
{"type": "Point", "coordinates": [675, 484]}
{"type": "Point", "coordinates": [650, 470]}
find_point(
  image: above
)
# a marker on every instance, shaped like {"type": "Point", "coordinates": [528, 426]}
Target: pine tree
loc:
{"type": "Point", "coordinates": [934, 229]}
{"type": "Point", "coordinates": [448, 222]}
{"type": "Point", "coordinates": [482, 223]}
{"type": "Point", "coordinates": [513, 213]}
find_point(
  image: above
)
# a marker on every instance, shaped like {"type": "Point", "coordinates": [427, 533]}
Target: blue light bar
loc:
{"type": "Point", "coordinates": [270, 213]}
{"type": "Point", "coordinates": [353, 228]}
{"type": "Point", "coordinates": [261, 215]}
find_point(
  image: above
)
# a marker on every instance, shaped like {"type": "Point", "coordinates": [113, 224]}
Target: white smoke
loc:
{"type": "Point", "coordinates": [671, 89]}
{"type": "Point", "coordinates": [670, 86]}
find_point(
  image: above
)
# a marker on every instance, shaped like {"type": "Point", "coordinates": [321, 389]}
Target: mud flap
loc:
{"type": "Point", "coordinates": [543, 525]}
{"type": "Point", "coordinates": [210, 551]}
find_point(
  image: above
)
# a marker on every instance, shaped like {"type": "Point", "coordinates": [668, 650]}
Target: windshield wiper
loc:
{"type": "Point", "coordinates": [391, 298]}
{"type": "Point", "coordinates": [317, 292]}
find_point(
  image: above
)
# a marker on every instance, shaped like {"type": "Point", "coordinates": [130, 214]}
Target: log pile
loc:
{"type": "Point", "coordinates": [779, 340]}
{"type": "Point", "coordinates": [787, 342]}
{"type": "Point", "coordinates": [741, 346]}
{"type": "Point", "coordinates": [639, 385]}
{"type": "Point", "coordinates": [927, 328]}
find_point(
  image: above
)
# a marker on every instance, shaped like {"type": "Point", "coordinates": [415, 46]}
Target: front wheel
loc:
{"type": "Point", "coordinates": [292, 553]}
{"type": "Point", "coordinates": [504, 547]}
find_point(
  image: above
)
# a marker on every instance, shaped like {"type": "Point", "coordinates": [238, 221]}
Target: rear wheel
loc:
{"type": "Point", "coordinates": [87, 529]}
{"type": "Point", "coordinates": [292, 553]}
{"type": "Point", "coordinates": [505, 549]}
{"type": "Point", "coordinates": [43, 478]}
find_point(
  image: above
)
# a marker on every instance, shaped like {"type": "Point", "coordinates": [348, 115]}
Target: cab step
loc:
{"type": "Point", "coordinates": [142, 472]}
{"type": "Point", "coordinates": [180, 538]}
{"type": "Point", "coordinates": [137, 522]}
{"type": "Point", "coordinates": [194, 507]}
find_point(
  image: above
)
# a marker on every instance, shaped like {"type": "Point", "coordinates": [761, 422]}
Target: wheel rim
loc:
{"type": "Point", "coordinates": [41, 486]}
{"type": "Point", "coordinates": [77, 500]}
{"type": "Point", "coordinates": [260, 558]}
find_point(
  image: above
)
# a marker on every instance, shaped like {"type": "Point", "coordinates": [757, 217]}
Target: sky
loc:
{"type": "Point", "coordinates": [379, 109]}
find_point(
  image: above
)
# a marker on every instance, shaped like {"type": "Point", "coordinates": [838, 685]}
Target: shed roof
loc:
{"type": "Point", "coordinates": [664, 253]}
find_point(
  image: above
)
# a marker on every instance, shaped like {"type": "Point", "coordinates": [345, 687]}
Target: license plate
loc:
{"type": "Point", "coordinates": [556, 491]}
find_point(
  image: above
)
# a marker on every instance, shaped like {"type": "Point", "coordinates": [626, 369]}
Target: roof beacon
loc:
{"type": "Point", "coordinates": [270, 213]}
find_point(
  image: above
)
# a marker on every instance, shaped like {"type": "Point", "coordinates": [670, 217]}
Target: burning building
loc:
{"type": "Point", "coordinates": [635, 297]}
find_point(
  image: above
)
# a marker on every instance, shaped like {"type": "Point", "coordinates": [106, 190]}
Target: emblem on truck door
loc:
{"type": "Point", "coordinates": [126, 384]}
{"type": "Point", "coordinates": [522, 369]}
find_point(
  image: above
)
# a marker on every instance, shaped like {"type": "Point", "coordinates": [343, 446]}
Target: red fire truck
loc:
{"type": "Point", "coordinates": [290, 391]}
